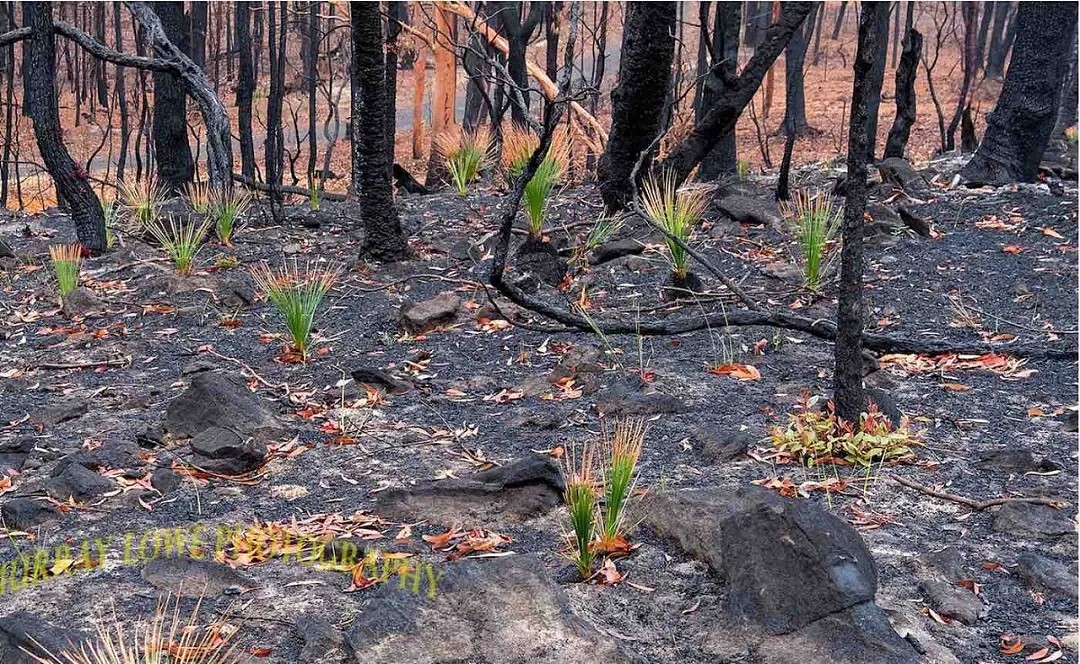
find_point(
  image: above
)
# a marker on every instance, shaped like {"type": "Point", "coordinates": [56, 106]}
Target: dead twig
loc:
{"type": "Point", "coordinates": [978, 505]}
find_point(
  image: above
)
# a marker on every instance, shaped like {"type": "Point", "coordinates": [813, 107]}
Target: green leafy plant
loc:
{"type": "Point", "coordinates": [226, 207]}
{"type": "Point", "coordinates": [623, 451]}
{"type": "Point", "coordinates": [815, 218]}
{"type": "Point", "coordinates": [519, 144]}
{"type": "Point", "coordinates": [166, 638]}
{"type": "Point", "coordinates": [677, 212]}
{"type": "Point", "coordinates": [605, 226]}
{"type": "Point", "coordinates": [142, 198]}
{"type": "Point", "coordinates": [181, 238]}
{"type": "Point", "coordinates": [66, 263]}
{"type": "Point", "coordinates": [817, 436]}
{"type": "Point", "coordinates": [464, 153]}
{"type": "Point", "coordinates": [315, 194]}
{"type": "Point", "coordinates": [199, 196]}
{"type": "Point", "coordinates": [296, 293]}
{"type": "Point", "coordinates": [581, 500]}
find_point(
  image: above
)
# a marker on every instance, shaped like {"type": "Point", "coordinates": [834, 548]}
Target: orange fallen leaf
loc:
{"type": "Point", "coordinates": [737, 371]}
{"type": "Point", "coordinates": [1012, 249]}
{"type": "Point", "coordinates": [260, 652]}
{"type": "Point", "coordinates": [1010, 645]}
{"type": "Point", "coordinates": [610, 575]}
{"type": "Point", "coordinates": [956, 387]}
{"type": "Point", "coordinates": [1038, 654]}
{"type": "Point", "coordinates": [440, 541]}
{"type": "Point", "coordinates": [1050, 232]}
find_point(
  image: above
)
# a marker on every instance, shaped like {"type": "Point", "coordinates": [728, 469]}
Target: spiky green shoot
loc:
{"type": "Point", "coordinates": [142, 198]}
{"type": "Point", "coordinates": [742, 169]}
{"type": "Point", "coordinates": [108, 210]}
{"type": "Point", "coordinates": [465, 153]}
{"type": "Point", "coordinates": [181, 238]}
{"type": "Point", "coordinates": [66, 262]}
{"type": "Point", "coordinates": [815, 218]}
{"type": "Point", "coordinates": [605, 226]}
{"type": "Point", "coordinates": [581, 496]}
{"type": "Point", "coordinates": [623, 451]}
{"type": "Point", "coordinates": [199, 196]}
{"type": "Point", "coordinates": [226, 207]}
{"type": "Point", "coordinates": [167, 638]}
{"type": "Point", "coordinates": [675, 211]}
{"type": "Point", "coordinates": [315, 194]}
{"type": "Point", "coordinates": [519, 143]}
{"type": "Point", "coordinates": [296, 293]}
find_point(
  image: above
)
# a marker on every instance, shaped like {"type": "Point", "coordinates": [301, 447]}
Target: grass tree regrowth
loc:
{"type": "Point", "coordinates": [465, 153]}
{"type": "Point", "coordinates": [581, 500]}
{"type": "Point", "coordinates": [66, 263]}
{"type": "Point", "coordinates": [142, 199]}
{"type": "Point", "coordinates": [620, 473]}
{"type": "Point", "coordinates": [815, 218]}
{"type": "Point", "coordinates": [677, 212]}
{"type": "Point", "coordinates": [181, 238]}
{"type": "Point", "coordinates": [296, 293]}
{"type": "Point", "coordinates": [226, 207]}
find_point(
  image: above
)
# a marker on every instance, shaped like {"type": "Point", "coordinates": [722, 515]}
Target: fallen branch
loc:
{"type": "Point", "coordinates": [286, 189]}
{"type": "Point", "coordinates": [122, 361]}
{"type": "Point", "coordinates": [978, 505]}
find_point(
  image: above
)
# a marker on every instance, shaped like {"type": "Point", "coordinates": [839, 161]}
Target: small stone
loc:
{"type": "Point", "coordinates": [22, 632]}
{"type": "Point", "coordinates": [721, 446]}
{"type": "Point", "coordinates": [1046, 575]}
{"type": "Point", "coordinates": [63, 411]}
{"type": "Point", "coordinates": [629, 398]}
{"type": "Point", "coordinates": [898, 171]}
{"type": "Point", "coordinates": [186, 577]}
{"type": "Point", "coordinates": [165, 480]}
{"type": "Point", "coordinates": [1031, 520]}
{"type": "Point", "coordinates": [1014, 460]}
{"type": "Point", "coordinates": [952, 601]}
{"type": "Point", "coordinates": [747, 210]}
{"type": "Point", "coordinates": [783, 271]}
{"type": "Point", "coordinates": [323, 644]}
{"type": "Point", "coordinates": [291, 248]}
{"type": "Point", "coordinates": [383, 380]}
{"type": "Point", "coordinates": [422, 316]}
{"type": "Point", "coordinates": [14, 453]}
{"type": "Point", "coordinates": [78, 482]}
{"type": "Point", "coordinates": [26, 513]}
{"type": "Point", "coordinates": [616, 249]}
{"type": "Point", "coordinates": [1069, 421]}
{"type": "Point", "coordinates": [82, 302]}
{"type": "Point", "coordinates": [223, 451]}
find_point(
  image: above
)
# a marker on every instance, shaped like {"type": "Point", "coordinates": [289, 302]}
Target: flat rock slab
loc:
{"type": "Point", "coordinates": [626, 397]}
{"type": "Point", "coordinates": [496, 610]}
{"type": "Point", "coordinates": [78, 482]}
{"type": "Point", "coordinates": [858, 635]}
{"type": "Point", "coordinates": [23, 630]}
{"type": "Point", "coordinates": [216, 399]}
{"type": "Point", "coordinates": [1033, 521]}
{"type": "Point", "coordinates": [26, 513]}
{"type": "Point", "coordinates": [952, 601]}
{"type": "Point", "coordinates": [187, 577]}
{"type": "Point", "coordinates": [1046, 575]}
{"type": "Point", "coordinates": [63, 411]}
{"type": "Point", "coordinates": [512, 493]}
{"type": "Point", "coordinates": [747, 210]}
{"type": "Point", "coordinates": [422, 316]}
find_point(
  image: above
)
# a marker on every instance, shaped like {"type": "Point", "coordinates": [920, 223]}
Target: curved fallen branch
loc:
{"type": "Point", "coordinates": [978, 505]}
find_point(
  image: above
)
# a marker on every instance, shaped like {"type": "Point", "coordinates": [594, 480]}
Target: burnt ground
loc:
{"type": "Point", "coordinates": [481, 397]}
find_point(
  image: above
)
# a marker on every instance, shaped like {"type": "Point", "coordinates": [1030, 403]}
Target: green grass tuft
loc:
{"type": "Point", "coordinates": [581, 498]}
{"type": "Point", "coordinates": [815, 218]}
{"type": "Point", "coordinates": [181, 238]}
{"type": "Point", "coordinates": [66, 262]}
{"type": "Point", "coordinates": [623, 451]}
{"type": "Point", "coordinates": [465, 153]}
{"type": "Point", "coordinates": [226, 207]}
{"type": "Point", "coordinates": [677, 212]}
{"type": "Point", "coordinates": [296, 293]}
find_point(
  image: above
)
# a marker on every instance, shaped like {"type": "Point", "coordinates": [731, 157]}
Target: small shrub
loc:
{"type": "Point", "coordinates": [181, 238]}
{"type": "Point", "coordinates": [66, 262]}
{"type": "Point", "coordinates": [142, 198]}
{"type": "Point", "coordinates": [677, 212]}
{"type": "Point", "coordinates": [816, 218]}
{"type": "Point", "coordinates": [581, 498]}
{"type": "Point", "coordinates": [199, 196]}
{"type": "Point", "coordinates": [165, 639]}
{"type": "Point", "coordinates": [623, 451]}
{"type": "Point", "coordinates": [296, 293]}
{"type": "Point", "coordinates": [464, 153]}
{"type": "Point", "coordinates": [226, 207]}
{"type": "Point", "coordinates": [814, 436]}
{"type": "Point", "coordinates": [227, 262]}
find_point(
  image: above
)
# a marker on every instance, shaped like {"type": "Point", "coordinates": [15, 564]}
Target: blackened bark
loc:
{"type": "Point", "coordinates": [995, 58]}
{"type": "Point", "coordinates": [551, 32]}
{"type": "Point", "coordinates": [9, 102]}
{"type": "Point", "coordinates": [100, 80]}
{"type": "Point", "coordinates": [877, 78]}
{"type": "Point", "coordinates": [839, 21]}
{"type": "Point", "coordinates": [984, 32]}
{"type": "Point", "coordinates": [245, 89]}
{"type": "Point", "coordinates": [637, 102]}
{"type": "Point", "coordinates": [398, 13]}
{"type": "Point", "coordinates": [71, 181]}
{"type": "Point", "coordinates": [794, 90]}
{"type": "Point", "coordinates": [725, 112]}
{"type": "Point", "coordinates": [783, 184]}
{"type": "Point", "coordinates": [383, 237]}
{"type": "Point", "coordinates": [1018, 130]}
{"type": "Point", "coordinates": [518, 33]}
{"type": "Point", "coordinates": [725, 61]}
{"type": "Point", "coordinates": [1066, 116]}
{"type": "Point", "coordinates": [275, 137]}
{"type": "Point", "coordinates": [757, 22]}
{"type": "Point", "coordinates": [121, 96]}
{"type": "Point", "coordinates": [478, 69]}
{"type": "Point", "coordinates": [200, 14]}
{"type": "Point", "coordinates": [905, 95]}
{"type": "Point", "coordinates": [175, 166]}
{"type": "Point", "coordinates": [848, 371]}
{"type": "Point", "coordinates": [312, 80]}
{"type": "Point", "coordinates": [969, 10]}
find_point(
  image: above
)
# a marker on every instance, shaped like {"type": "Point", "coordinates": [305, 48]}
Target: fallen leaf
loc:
{"type": "Point", "coordinates": [1012, 249]}
{"type": "Point", "coordinates": [440, 541]}
{"type": "Point", "coordinates": [956, 387]}
{"type": "Point", "coordinates": [737, 371]}
{"type": "Point", "coordinates": [1038, 654]}
{"type": "Point", "coordinates": [1011, 645]}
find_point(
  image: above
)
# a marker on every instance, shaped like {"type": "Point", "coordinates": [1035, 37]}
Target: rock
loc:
{"type": "Point", "coordinates": [1014, 460]}
{"type": "Point", "coordinates": [216, 399]}
{"type": "Point", "coordinates": [628, 397]}
{"type": "Point", "coordinates": [27, 513]}
{"type": "Point", "coordinates": [1046, 575]}
{"type": "Point", "coordinates": [233, 293]}
{"type": "Point", "coordinates": [1031, 520]}
{"type": "Point", "coordinates": [787, 563]}
{"type": "Point", "coordinates": [78, 482]}
{"type": "Point", "coordinates": [1069, 421]}
{"type": "Point", "coordinates": [746, 210]}
{"type": "Point", "coordinates": [632, 263]}
{"type": "Point", "coordinates": [186, 577]}
{"type": "Point", "coordinates": [582, 364]}
{"type": "Point", "coordinates": [616, 249]}
{"type": "Point", "coordinates": [82, 302]}
{"type": "Point", "coordinates": [512, 493]}
{"type": "Point", "coordinates": [82, 458]}
{"type": "Point", "coordinates": [23, 631]}
{"type": "Point", "coordinates": [542, 266]}
{"type": "Point", "coordinates": [898, 171]}
{"type": "Point", "coordinates": [884, 215]}
{"type": "Point", "coordinates": [721, 446]}
{"type": "Point", "coordinates": [885, 403]}
{"type": "Point", "coordinates": [783, 271]}
{"type": "Point", "coordinates": [383, 380]}
{"type": "Point", "coordinates": [323, 644]}
{"type": "Point", "coordinates": [916, 223]}
{"type": "Point", "coordinates": [945, 565]}
{"type": "Point", "coordinates": [422, 316]}
{"type": "Point", "coordinates": [499, 610]}
{"type": "Point", "coordinates": [952, 601]}
{"type": "Point", "coordinates": [223, 451]}
{"type": "Point", "coordinates": [65, 410]}
{"type": "Point", "coordinates": [165, 480]}
{"type": "Point", "coordinates": [857, 635]}
{"type": "Point", "coordinates": [13, 454]}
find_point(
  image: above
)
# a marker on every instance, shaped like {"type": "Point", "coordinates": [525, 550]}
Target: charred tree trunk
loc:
{"type": "Point", "coordinates": [984, 32]}
{"type": "Point", "coordinates": [175, 166]}
{"type": "Point", "coordinates": [245, 89]}
{"type": "Point", "coordinates": [9, 102]}
{"type": "Point", "coordinates": [724, 59]}
{"type": "Point", "coordinates": [121, 97]}
{"type": "Point", "coordinates": [970, 11]}
{"type": "Point", "coordinates": [518, 33]}
{"type": "Point", "coordinates": [200, 20]}
{"type": "Point", "coordinates": [1066, 116]}
{"type": "Point", "coordinates": [383, 237]}
{"type": "Point", "coordinates": [71, 181]}
{"type": "Point", "coordinates": [398, 13]}
{"type": "Point", "coordinates": [905, 95]}
{"type": "Point", "coordinates": [877, 75]}
{"type": "Point", "coordinates": [100, 80]}
{"type": "Point", "coordinates": [794, 90]}
{"type": "Point", "coordinates": [312, 80]}
{"type": "Point", "coordinates": [848, 372]}
{"type": "Point", "coordinates": [725, 112]}
{"type": "Point", "coordinates": [995, 58]}
{"type": "Point", "coordinates": [637, 102]}
{"type": "Point", "coordinates": [1018, 130]}
{"type": "Point", "coordinates": [275, 136]}
{"type": "Point", "coordinates": [552, 25]}
{"type": "Point", "coordinates": [757, 22]}
{"type": "Point", "coordinates": [839, 21]}
{"type": "Point", "coordinates": [783, 183]}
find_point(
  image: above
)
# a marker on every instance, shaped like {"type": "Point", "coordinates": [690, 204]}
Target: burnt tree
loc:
{"type": "Point", "coordinates": [274, 146]}
{"type": "Point", "coordinates": [905, 95]}
{"type": "Point", "coordinates": [1066, 116]}
{"type": "Point", "coordinates": [877, 78]}
{"type": "Point", "coordinates": [794, 89]}
{"type": "Point", "coordinates": [245, 89]}
{"type": "Point", "coordinates": [41, 101]}
{"type": "Point", "coordinates": [848, 372]}
{"type": "Point", "coordinates": [999, 40]}
{"type": "Point", "coordinates": [397, 14]}
{"type": "Point", "coordinates": [1018, 130]}
{"type": "Point", "coordinates": [723, 51]}
{"type": "Point", "coordinates": [383, 237]}
{"type": "Point", "coordinates": [970, 12]}
{"type": "Point", "coordinates": [175, 166]}
{"type": "Point", "coordinates": [518, 32]}
{"type": "Point", "coordinates": [637, 102]}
